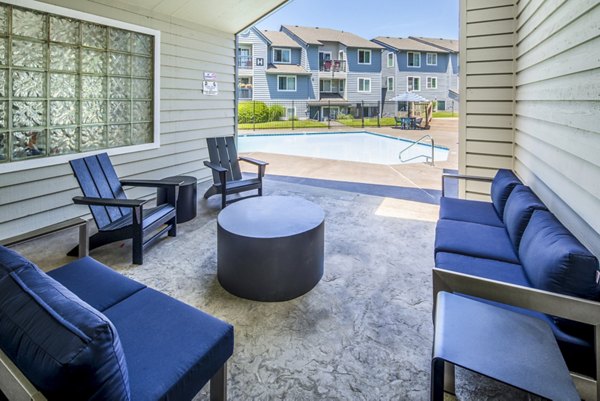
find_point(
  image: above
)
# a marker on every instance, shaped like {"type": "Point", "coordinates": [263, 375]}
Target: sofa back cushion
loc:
{"type": "Point", "coordinates": [554, 260]}
{"type": "Point", "coordinates": [67, 349]}
{"type": "Point", "coordinates": [11, 261]}
{"type": "Point", "coordinates": [502, 185]}
{"type": "Point", "coordinates": [520, 205]}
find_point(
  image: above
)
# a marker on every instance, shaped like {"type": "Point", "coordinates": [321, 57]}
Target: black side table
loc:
{"type": "Point", "coordinates": [187, 203]}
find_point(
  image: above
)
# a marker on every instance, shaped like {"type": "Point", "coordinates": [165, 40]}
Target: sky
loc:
{"type": "Point", "coordinates": [397, 18]}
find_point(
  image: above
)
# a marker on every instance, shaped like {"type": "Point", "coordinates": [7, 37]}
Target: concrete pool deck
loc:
{"type": "Point", "coordinates": [417, 185]}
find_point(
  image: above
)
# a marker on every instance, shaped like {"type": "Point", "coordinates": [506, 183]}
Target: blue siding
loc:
{"type": "Point", "coordinates": [303, 88]}
{"type": "Point", "coordinates": [313, 57]}
{"type": "Point", "coordinates": [454, 61]}
{"type": "Point", "coordinates": [375, 66]}
{"type": "Point", "coordinates": [442, 63]}
{"type": "Point", "coordinates": [295, 54]}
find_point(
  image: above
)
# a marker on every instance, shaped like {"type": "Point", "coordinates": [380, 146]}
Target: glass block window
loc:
{"type": "Point", "coordinates": [70, 86]}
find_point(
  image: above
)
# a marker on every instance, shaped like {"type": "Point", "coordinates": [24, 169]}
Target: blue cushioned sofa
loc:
{"type": "Point", "coordinates": [515, 251]}
{"type": "Point", "coordinates": [85, 332]}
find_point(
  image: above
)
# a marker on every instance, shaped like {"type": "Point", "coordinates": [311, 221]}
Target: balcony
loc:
{"type": "Point", "coordinates": [332, 66]}
{"type": "Point", "coordinates": [244, 62]}
{"type": "Point", "coordinates": [245, 93]}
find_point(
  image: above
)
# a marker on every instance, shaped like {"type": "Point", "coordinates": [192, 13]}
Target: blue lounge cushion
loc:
{"type": "Point", "coordinates": [554, 260]}
{"type": "Point", "coordinates": [474, 239]}
{"type": "Point", "coordinates": [94, 283]}
{"type": "Point", "coordinates": [469, 210]}
{"type": "Point", "coordinates": [520, 205]}
{"type": "Point", "coordinates": [64, 347]}
{"type": "Point", "coordinates": [11, 261]}
{"type": "Point", "coordinates": [486, 268]}
{"type": "Point", "coordinates": [172, 349]}
{"type": "Point", "coordinates": [502, 185]}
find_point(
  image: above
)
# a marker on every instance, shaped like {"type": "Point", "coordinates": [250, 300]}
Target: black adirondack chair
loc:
{"type": "Point", "coordinates": [117, 217]}
{"type": "Point", "coordinates": [227, 176]}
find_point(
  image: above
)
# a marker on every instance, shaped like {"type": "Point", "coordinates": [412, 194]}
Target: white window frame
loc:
{"type": "Point", "coordinates": [429, 80]}
{"type": "Point", "coordinates": [390, 87]}
{"type": "Point", "coordinates": [330, 85]}
{"type": "Point", "coordinates": [393, 62]}
{"type": "Point", "coordinates": [358, 85]}
{"type": "Point", "coordinates": [366, 51]}
{"type": "Point", "coordinates": [283, 49]}
{"type": "Point", "coordinates": [287, 109]}
{"type": "Point", "coordinates": [62, 159]}
{"type": "Point", "coordinates": [427, 58]}
{"type": "Point", "coordinates": [287, 76]}
{"type": "Point", "coordinates": [413, 77]}
{"type": "Point", "coordinates": [415, 54]}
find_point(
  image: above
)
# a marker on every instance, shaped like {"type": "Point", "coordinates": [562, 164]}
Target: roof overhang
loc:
{"type": "Point", "coordinates": [230, 16]}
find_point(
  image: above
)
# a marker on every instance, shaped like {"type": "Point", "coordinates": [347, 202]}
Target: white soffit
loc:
{"type": "Point", "coordinates": [224, 15]}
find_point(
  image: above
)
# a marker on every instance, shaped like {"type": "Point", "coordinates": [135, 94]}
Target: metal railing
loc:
{"type": "Point", "coordinates": [430, 159]}
{"type": "Point", "coordinates": [332, 65]}
{"type": "Point", "coordinates": [244, 62]}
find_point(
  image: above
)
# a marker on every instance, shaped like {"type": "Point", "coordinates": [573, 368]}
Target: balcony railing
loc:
{"type": "Point", "coordinates": [245, 94]}
{"type": "Point", "coordinates": [332, 66]}
{"type": "Point", "coordinates": [244, 62]}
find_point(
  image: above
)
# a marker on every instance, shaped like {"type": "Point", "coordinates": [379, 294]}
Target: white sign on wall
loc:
{"type": "Point", "coordinates": [210, 88]}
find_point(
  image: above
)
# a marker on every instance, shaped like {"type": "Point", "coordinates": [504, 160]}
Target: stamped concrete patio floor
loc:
{"type": "Point", "coordinates": [363, 333]}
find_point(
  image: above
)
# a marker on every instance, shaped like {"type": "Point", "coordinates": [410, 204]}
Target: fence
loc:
{"type": "Point", "coordinates": [326, 114]}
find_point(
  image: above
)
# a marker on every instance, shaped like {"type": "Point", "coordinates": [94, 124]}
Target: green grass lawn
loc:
{"type": "Point", "coordinates": [369, 122]}
{"type": "Point", "coordinates": [283, 124]}
{"type": "Point", "coordinates": [444, 114]}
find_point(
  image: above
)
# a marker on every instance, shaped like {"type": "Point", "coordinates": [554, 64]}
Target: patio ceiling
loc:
{"type": "Point", "coordinates": [224, 15]}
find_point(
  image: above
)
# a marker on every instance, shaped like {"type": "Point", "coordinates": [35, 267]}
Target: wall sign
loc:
{"type": "Point", "coordinates": [210, 88]}
{"type": "Point", "coordinates": [260, 62]}
{"type": "Point", "coordinates": [210, 76]}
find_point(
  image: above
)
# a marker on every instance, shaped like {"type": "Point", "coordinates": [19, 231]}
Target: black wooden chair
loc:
{"type": "Point", "coordinates": [117, 217]}
{"type": "Point", "coordinates": [227, 176]}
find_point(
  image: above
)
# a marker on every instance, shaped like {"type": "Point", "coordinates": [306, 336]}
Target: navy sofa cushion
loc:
{"type": "Point", "coordinates": [474, 240]}
{"type": "Point", "coordinates": [502, 185]}
{"type": "Point", "coordinates": [172, 349]}
{"type": "Point", "coordinates": [469, 210]}
{"type": "Point", "coordinates": [11, 261]}
{"type": "Point", "coordinates": [64, 347]}
{"type": "Point", "coordinates": [486, 268]}
{"type": "Point", "coordinates": [520, 205]}
{"type": "Point", "coordinates": [554, 260]}
{"type": "Point", "coordinates": [94, 283]}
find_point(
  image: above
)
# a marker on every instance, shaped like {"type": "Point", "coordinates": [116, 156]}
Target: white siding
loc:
{"type": "Point", "coordinates": [37, 197]}
{"type": "Point", "coordinates": [486, 90]}
{"type": "Point", "coordinates": [260, 90]}
{"type": "Point", "coordinates": [557, 135]}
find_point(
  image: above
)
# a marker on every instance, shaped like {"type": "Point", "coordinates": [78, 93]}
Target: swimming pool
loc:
{"type": "Point", "coordinates": [365, 147]}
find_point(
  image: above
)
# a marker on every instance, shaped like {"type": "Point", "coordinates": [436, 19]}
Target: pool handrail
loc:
{"type": "Point", "coordinates": [418, 141]}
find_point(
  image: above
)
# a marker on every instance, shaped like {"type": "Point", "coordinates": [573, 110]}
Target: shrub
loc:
{"type": "Point", "coordinates": [276, 112]}
{"type": "Point", "coordinates": [258, 110]}
{"type": "Point", "coordinates": [342, 116]}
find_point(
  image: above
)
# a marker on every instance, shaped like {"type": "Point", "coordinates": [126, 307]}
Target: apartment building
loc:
{"type": "Point", "coordinates": [424, 65]}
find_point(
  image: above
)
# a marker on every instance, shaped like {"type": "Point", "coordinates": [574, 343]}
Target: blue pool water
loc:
{"type": "Point", "coordinates": [366, 147]}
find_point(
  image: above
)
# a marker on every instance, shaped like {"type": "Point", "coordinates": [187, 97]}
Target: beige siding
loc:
{"type": "Point", "coordinates": [34, 198]}
{"type": "Point", "coordinates": [557, 113]}
{"type": "Point", "coordinates": [487, 90]}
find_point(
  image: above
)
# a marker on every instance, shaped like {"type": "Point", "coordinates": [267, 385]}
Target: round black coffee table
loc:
{"type": "Point", "coordinates": [187, 203]}
{"type": "Point", "coordinates": [270, 248]}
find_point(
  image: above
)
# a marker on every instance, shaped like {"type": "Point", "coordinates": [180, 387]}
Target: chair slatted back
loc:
{"type": "Point", "coordinates": [222, 151]}
{"type": "Point", "coordinates": [97, 178]}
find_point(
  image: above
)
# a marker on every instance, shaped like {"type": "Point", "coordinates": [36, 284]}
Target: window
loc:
{"type": "Point", "coordinates": [390, 60]}
{"type": "Point", "coordinates": [245, 87]}
{"type": "Point", "coordinates": [431, 83]}
{"type": "Point", "coordinates": [282, 56]}
{"type": "Point", "coordinates": [413, 84]}
{"type": "Point", "coordinates": [325, 85]}
{"type": "Point", "coordinates": [414, 59]}
{"type": "Point", "coordinates": [75, 86]}
{"type": "Point", "coordinates": [364, 56]}
{"type": "Point", "coordinates": [390, 84]}
{"type": "Point", "coordinates": [364, 84]}
{"type": "Point", "coordinates": [431, 58]}
{"type": "Point", "coordinates": [441, 105]}
{"type": "Point", "coordinates": [290, 113]}
{"type": "Point", "coordinates": [286, 83]}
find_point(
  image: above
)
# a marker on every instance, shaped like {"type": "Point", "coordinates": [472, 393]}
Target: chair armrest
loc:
{"type": "Point", "coordinates": [215, 167]}
{"type": "Point", "coordinates": [568, 307]}
{"type": "Point", "coordinates": [253, 161]}
{"type": "Point", "coordinates": [463, 177]}
{"type": "Point", "coordinates": [132, 203]}
{"type": "Point", "coordinates": [152, 183]}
